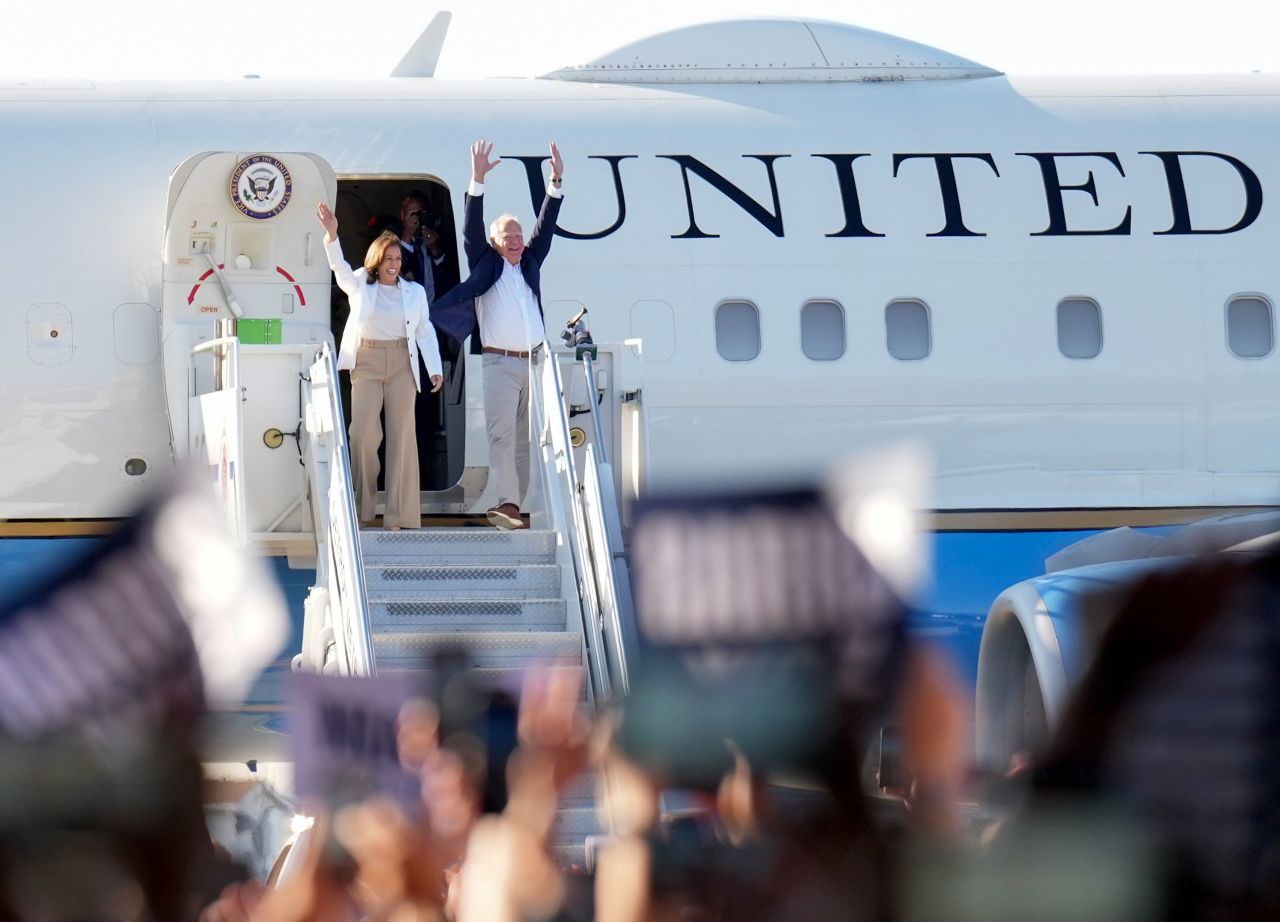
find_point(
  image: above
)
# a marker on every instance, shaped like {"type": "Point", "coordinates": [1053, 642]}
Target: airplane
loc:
{"type": "Point", "coordinates": [803, 240]}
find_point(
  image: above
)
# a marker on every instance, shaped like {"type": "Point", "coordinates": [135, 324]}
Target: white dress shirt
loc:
{"type": "Point", "coordinates": [508, 312]}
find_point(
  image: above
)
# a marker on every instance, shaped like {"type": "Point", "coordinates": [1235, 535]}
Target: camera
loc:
{"type": "Point", "coordinates": [428, 219]}
{"type": "Point", "coordinates": [576, 335]}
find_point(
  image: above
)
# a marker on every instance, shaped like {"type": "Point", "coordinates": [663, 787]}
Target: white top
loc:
{"type": "Point", "coordinates": [386, 320]}
{"type": "Point", "coordinates": [419, 333]}
{"type": "Point", "coordinates": [508, 312]}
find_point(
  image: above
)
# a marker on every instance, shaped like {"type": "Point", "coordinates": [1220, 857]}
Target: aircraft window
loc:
{"type": "Point", "coordinates": [737, 330]}
{"type": "Point", "coordinates": [906, 328]}
{"type": "Point", "coordinates": [1249, 327]}
{"type": "Point", "coordinates": [822, 330]}
{"type": "Point", "coordinates": [1079, 328]}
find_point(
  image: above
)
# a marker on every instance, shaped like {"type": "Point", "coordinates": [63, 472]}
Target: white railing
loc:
{"type": "Point", "coordinates": [578, 509]}
{"type": "Point", "coordinates": [339, 565]}
{"type": "Point", "coordinates": [602, 512]}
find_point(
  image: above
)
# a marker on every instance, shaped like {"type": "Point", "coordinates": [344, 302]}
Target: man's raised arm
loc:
{"type": "Point", "coordinates": [475, 236]}
{"type": "Point", "coordinates": [544, 230]}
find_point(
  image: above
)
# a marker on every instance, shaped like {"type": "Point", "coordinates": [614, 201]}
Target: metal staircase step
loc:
{"type": "Point", "coordinates": [460, 546]}
{"type": "Point", "coordinates": [584, 791]}
{"type": "Point", "coordinates": [576, 823]}
{"type": "Point", "coordinates": [570, 857]}
{"type": "Point", "coordinates": [506, 678]}
{"type": "Point", "coordinates": [386, 582]}
{"type": "Point", "coordinates": [498, 594]}
{"type": "Point", "coordinates": [455, 615]}
{"type": "Point", "coordinates": [397, 650]}
{"type": "Point", "coordinates": [572, 828]}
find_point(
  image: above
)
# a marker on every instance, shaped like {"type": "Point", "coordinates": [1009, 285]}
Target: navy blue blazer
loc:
{"type": "Point", "coordinates": [454, 313]}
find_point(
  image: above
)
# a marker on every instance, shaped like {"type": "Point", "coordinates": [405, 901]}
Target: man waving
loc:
{"type": "Point", "coordinates": [503, 298]}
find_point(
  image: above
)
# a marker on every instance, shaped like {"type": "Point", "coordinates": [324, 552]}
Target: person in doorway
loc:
{"type": "Point", "coordinates": [420, 243]}
{"type": "Point", "coordinates": [388, 327]}
{"type": "Point", "coordinates": [503, 298]}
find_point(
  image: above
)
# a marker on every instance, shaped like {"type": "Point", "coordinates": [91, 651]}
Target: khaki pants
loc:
{"type": "Point", "coordinates": [506, 417]}
{"type": "Point", "coordinates": [382, 379]}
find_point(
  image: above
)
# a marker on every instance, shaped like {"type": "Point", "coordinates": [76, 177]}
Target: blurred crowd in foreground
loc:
{"type": "Point", "coordinates": [747, 771]}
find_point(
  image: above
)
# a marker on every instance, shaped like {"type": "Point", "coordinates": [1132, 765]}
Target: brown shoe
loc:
{"type": "Point", "coordinates": [507, 516]}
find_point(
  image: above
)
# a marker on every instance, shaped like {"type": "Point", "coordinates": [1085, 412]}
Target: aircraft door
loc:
{"type": "Point", "coordinates": [243, 256]}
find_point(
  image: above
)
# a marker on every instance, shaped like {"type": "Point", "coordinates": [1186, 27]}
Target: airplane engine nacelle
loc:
{"type": "Point", "coordinates": [1021, 678]}
{"type": "Point", "coordinates": [1037, 643]}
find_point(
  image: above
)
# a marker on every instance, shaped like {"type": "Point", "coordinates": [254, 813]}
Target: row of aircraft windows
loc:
{"type": "Point", "coordinates": [1250, 329]}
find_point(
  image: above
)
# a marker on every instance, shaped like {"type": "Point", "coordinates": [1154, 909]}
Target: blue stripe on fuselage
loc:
{"type": "Point", "coordinates": [25, 562]}
{"type": "Point", "coordinates": [971, 568]}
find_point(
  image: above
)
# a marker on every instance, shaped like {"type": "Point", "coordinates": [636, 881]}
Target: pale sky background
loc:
{"type": "Point", "coordinates": [292, 38]}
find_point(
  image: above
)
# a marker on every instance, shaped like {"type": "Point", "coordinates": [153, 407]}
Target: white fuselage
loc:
{"type": "Point", "coordinates": [1164, 416]}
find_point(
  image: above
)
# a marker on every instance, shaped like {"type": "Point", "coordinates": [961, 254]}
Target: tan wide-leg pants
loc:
{"type": "Point", "coordinates": [382, 378]}
{"type": "Point", "coordinates": [506, 418]}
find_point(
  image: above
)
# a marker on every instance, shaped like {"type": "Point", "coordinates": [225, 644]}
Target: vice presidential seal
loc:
{"type": "Point", "coordinates": [261, 186]}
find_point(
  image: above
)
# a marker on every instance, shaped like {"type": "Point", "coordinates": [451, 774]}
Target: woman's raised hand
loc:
{"type": "Point", "coordinates": [327, 219]}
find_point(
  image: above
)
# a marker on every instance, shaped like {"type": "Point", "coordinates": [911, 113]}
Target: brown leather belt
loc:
{"type": "Point", "coordinates": [494, 350]}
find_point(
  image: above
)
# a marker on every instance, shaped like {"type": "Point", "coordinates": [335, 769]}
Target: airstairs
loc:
{"type": "Point", "coordinates": [388, 601]}
{"type": "Point", "coordinates": [252, 396]}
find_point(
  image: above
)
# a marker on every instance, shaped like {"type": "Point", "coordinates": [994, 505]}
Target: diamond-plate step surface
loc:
{"type": "Point", "coordinates": [506, 678]}
{"type": "Point", "coordinates": [575, 824]}
{"type": "Point", "coordinates": [460, 546]}
{"type": "Point", "coordinates": [569, 834]}
{"type": "Point", "coordinates": [453, 615]}
{"type": "Point", "coordinates": [385, 582]}
{"type": "Point", "coordinates": [570, 857]}
{"type": "Point", "coordinates": [399, 649]}
{"type": "Point", "coordinates": [583, 791]}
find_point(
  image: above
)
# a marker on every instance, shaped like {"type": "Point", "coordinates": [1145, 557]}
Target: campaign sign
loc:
{"type": "Point", "coordinates": [344, 739]}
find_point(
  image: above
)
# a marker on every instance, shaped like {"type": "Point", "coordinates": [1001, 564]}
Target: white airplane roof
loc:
{"type": "Point", "coordinates": [773, 51]}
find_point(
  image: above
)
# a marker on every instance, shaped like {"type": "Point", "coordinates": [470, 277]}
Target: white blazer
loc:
{"type": "Point", "coordinates": [417, 316]}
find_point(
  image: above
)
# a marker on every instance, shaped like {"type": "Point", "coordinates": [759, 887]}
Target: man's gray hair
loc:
{"type": "Point", "coordinates": [497, 222]}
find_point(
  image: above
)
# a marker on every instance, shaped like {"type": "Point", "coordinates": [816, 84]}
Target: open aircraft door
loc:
{"type": "Point", "coordinates": [245, 309]}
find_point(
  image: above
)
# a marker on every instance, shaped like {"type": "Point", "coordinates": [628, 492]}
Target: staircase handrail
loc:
{"type": "Point", "coordinates": [604, 523]}
{"type": "Point", "coordinates": [583, 505]}
{"type": "Point", "coordinates": [339, 560]}
{"type": "Point", "coordinates": [564, 505]}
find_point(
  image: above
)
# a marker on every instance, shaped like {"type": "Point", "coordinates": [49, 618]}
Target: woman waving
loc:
{"type": "Point", "coordinates": [389, 326]}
